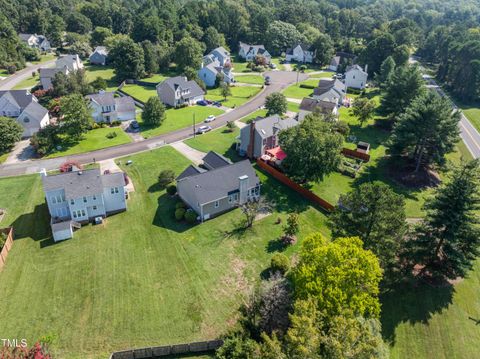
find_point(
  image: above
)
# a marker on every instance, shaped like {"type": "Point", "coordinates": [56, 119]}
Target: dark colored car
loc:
{"type": "Point", "coordinates": [218, 104]}
{"type": "Point", "coordinates": [202, 103]}
{"type": "Point", "coordinates": [134, 124]}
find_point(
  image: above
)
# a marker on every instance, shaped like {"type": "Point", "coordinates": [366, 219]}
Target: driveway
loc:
{"type": "Point", "coordinates": [192, 154]}
{"type": "Point", "coordinates": [21, 75]}
{"type": "Point", "coordinates": [20, 153]}
{"type": "Point", "coordinates": [279, 81]}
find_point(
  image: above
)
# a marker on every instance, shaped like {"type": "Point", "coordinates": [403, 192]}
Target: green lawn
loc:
{"type": "Point", "coordinates": [473, 115]}
{"type": "Point", "coordinates": [292, 106]}
{"type": "Point", "coordinates": [3, 157]}
{"type": "Point", "coordinates": [93, 140]}
{"type": "Point", "coordinates": [221, 141]}
{"type": "Point", "coordinates": [326, 74]}
{"type": "Point", "coordinates": [310, 67]}
{"type": "Point", "coordinates": [250, 79]}
{"type": "Point", "coordinates": [142, 93]}
{"type": "Point", "coordinates": [45, 58]}
{"type": "Point", "coordinates": [240, 95]}
{"type": "Point", "coordinates": [276, 61]}
{"type": "Point", "coordinates": [155, 79]}
{"type": "Point", "coordinates": [177, 119]}
{"type": "Point", "coordinates": [295, 91]}
{"type": "Point", "coordinates": [105, 72]}
{"type": "Point", "coordinates": [239, 65]}
{"type": "Point", "coordinates": [254, 115]}
{"type": "Point", "coordinates": [28, 83]}
{"type": "Point", "coordinates": [142, 278]}
{"type": "Point", "coordinates": [4, 73]}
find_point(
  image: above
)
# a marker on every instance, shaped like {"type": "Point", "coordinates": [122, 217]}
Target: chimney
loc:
{"type": "Point", "coordinates": [243, 187]}
{"type": "Point", "coordinates": [251, 143]}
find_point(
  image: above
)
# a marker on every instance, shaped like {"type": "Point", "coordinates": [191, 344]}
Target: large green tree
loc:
{"type": "Point", "coordinates": [276, 104]}
{"type": "Point", "coordinates": [447, 242]}
{"type": "Point", "coordinates": [212, 39]}
{"type": "Point", "coordinates": [154, 112]}
{"type": "Point", "coordinates": [10, 132]}
{"type": "Point", "coordinates": [188, 53]}
{"type": "Point", "coordinates": [313, 149]}
{"type": "Point", "coordinates": [376, 214]}
{"type": "Point", "coordinates": [324, 50]}
{"type": "Point", "coordinates": [76, 118]}
{"type": "Point", "coordinates": [126, 57]}
{"type": "Point", "coordinates": [384, 76]}
{"type": "Point", "coordinates": [280, 36]}
{"type": "Point", "coordinates": [150, 57]}
{"type": "Point", "coordinates": [426, 131]}
{"type": "Point", "coordinates": [363, 109]}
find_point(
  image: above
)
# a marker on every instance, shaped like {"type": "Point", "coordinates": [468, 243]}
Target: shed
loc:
{"type": "Point", "coordinates": [62, 231]}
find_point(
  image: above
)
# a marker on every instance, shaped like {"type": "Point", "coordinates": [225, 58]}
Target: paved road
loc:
{"type": "Point", "coordinates": [21, 75]}
{"type": "Point", "coordinates": [279, 80]}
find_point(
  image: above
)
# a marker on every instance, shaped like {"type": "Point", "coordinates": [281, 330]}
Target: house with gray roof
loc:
{"type": "Point", "coordinates": [48, 74]}
{"type": "Point", "coordinates": [177, 91]}
{"type": "Point", "coordinates": [221, 188]}
{"type": "Point", "coordinates": [261, 135]}
{"type": "Point", "coordinates": [331, 90]}
{"type": "Point", "coordinates": [216, 63]}
{"type": "Point", "coordinates": [356, 77]}
{"type": "Point", "coordinates": [107, 108]}
{"type": "Point", "coordinates": [36, 41]}
{"type": "Point", "coordinates": [309, 105]}
{"type": "Point", "coordinates": [249, 52]}
{"type": "Point", "coordinates": [300, 53]}
{"type": "Point", "coordinates": [99, 56]}
{"type": "Point", "coordinates": [82, 196]}
{"type": "Point", "coordinates": [71, 62]}
{"type": "Point", "coordinates": [24, 106]}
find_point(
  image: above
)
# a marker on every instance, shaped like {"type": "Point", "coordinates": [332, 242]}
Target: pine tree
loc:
{"type": "Point", "coordinates": [387, 69]}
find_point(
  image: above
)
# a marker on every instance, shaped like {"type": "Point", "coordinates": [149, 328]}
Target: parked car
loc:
{"type": "Point", "coordinates": [202, 103]}
{"type": "Point", "coordinates": [209, 102]}
{"type": "Point", "coordinates": [272, 65]}
{"type": "Point", "coordinates": [134, 125]}
{"type": "Point", "coordinates": [218, 104]}
{"type": "Point", "coordinates": [203, 129]}
{"type": "Point", "coordinates": [210, 118]}
{"type": "Point", "coordinates": [267, 80]}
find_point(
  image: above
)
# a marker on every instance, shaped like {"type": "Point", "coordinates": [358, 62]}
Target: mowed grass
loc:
{"type": "Point", "coordinates": [250, 79]}
{"type": "Point", "coordinates": [221, 140]}
{"type": "Point", "coordinates": [240, 95]}
{"type": "Point", "coordinates": [155, 79]}
{"type": "Point", "coordinates": [296, 91]}
{"type": "Point", "coordinates": [142, 278]}
{"type": "Point", "coordinates": [323, 74]}
{"type": "Point", "coordinates": [105, 72]}
{"type": "Point", "coordinates": [93, 140]}
{"type": "Point", "coordinates": [259, 113]}
{"type": "Point", "coordinates": [177, 119]}
{"type": "Point", "coordinates": [142, 93]}
{"type": "Point", "coordinates": [473, 115]}
{"type": "Point", "coordinates": [28, 83]}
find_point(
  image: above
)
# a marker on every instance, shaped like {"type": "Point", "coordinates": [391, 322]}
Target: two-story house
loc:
{"type": "Point", "coordinates": [48, 74]}
{"type": "Point", "coordinates": [177, 91]}
{"type": "Point", "coordinates": [216, 63]}
{"type": "Point", "coordinates": [224, 186]}
{"type": "Point", "coordinates": [261, 135]}
{"type": "Point", "coordinates": [300, 53]}
{"type": "Point", "coordinates": [36, 41]}
{"type": "Point", "coordinates": [356, 77]}
{"type": "Point", "coordinates": [24, 106]}
{"type": "Point", "coordinates": [309, 105]}
{"type": "Point", "coordinates": [71, 62]}
{"type": "Point", "coordinates": [79, 197]}
{"type": "Point", "coordinates": [107, 108]}
{"type": "Point", "coordinates": [249, 52]}
{"type": "Point", "coordinates": [331, 90]}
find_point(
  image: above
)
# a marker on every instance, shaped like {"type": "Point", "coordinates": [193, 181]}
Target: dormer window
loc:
{"type": "Point", "coordinates": [26, 120]}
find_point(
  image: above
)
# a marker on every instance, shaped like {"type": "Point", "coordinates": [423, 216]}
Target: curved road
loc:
{"type": "Point", "coordinates": [21, 75]}
{"type": "Point", "coordinates": [279, 80]}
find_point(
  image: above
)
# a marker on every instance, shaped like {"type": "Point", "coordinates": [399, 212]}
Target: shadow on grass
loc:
{"type": "Point", "coordinates": [165, 215]}
{"type": "Point", "coordinates": [410, 303]}
{"type": "Point", "coordinates": [275, 245]}
{"type": "Point", "coordinates": [35, 225]}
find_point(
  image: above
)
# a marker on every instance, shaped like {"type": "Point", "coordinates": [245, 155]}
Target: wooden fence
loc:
{"type": "Point", "coordinates": [355, 154]}
{"type": "Point", "coordinates": [178, 349]}
{"type": "Point", "coordinates": [295, 186]}
{"type": "Point", "coordinates": [7, 246]}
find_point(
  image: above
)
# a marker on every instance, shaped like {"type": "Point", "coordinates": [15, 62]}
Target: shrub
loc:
{"type": "Point", "coordinates": [190, 216]}
{"type": "Point", "coordinates": [166, 177]}
{"type": "Point", "coordinates": [179, 213]}
{"type": "Point", "coordinates": [172, 189]}
{"type": "Point", "coordinates": [111, 135]}
{"type": "Point", "coordinates": [279, 263]}
{"type": "Point", "coordinates": [231, 126]}
{"type": "Point", "coordinates": [180, 205]}
{"type": "Point", "coordinates": [305, 86]}
{"type": "Point", "coordinates": [11, 69]}
{"type": "Point", "coordinates": [115, 123]}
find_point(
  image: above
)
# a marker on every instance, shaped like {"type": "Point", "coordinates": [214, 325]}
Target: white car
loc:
{"type": "Point", "coordinates": [210, 118]}
{"type": "Point", "coordinates": [203, 129]}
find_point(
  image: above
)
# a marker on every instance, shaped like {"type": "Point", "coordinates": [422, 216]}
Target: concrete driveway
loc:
{"type": "Point", "coordinates": [21, 152]}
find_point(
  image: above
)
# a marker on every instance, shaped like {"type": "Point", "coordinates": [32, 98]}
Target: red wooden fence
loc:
{"type": "Point", "coordinates": [355, 154]}
{"type": "Point", "coordinates": [295, 186]}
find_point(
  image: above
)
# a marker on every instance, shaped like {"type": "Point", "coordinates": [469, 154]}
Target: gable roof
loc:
{"type": "Point", "coordinates": [35, 111]}
{"type": "Point", "coordinates": [326, 86]}
{"type": "Point", "coordinates": [101, 50]}
{"type": "Point", "coordinates": [303, 46]}
{"type": "Point", "coordinates": [221, 50]}
{"type": "Point", "coordinates": [212, 185]}
{"type": "Point", "coordinates": [335, 61]}
{"type": "Point", "coordinates": [355, 67]}
{"type": "Point", "coordinates": [102, 98]}
{"type": "Point", "coordinates": [125, 104]}
{"type": "Point", "coordinates": [310, 104]}
{"type": "Point", "coordinates": [25, 37]}
{"type": "Point", "coordinates": [50, 73]}
{"type": "Point", "coordinates": [180, 81]}
{"type": "Point", "coordinates": [22, 97]}
{"type": "Point", "coordinates": [191, 170]}
{"type": "Point", "coordinates": [215, 160]}
{"type": "Point", "coordinates": [247, 48]}
{"type": "Point", "coordinates": [266, 127]}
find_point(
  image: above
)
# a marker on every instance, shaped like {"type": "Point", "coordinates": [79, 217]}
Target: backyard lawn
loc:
{"type": "Point", "coordinates": [239, 64]}
{"type": "Point", "coordinates": [154, 79]}
{"type": "Point", "coordinates": [296, 91]}
{"type": "Point", "coordinates": [220, 140]}
{"type": "Point", "coordinates": [240, 95]}
{"type": "Point", "coordinates": [44, 58]}
{"type": "Point", "coordinates": [105, 72]}
{"type": "Point", "coordinates": [28, 83]}
{"type": "Point", "coordinates": [141, 93]}
{"type": "Point", "coordinates": [177, 119]}
{"type": "Point", "coordinates": [93, 140]}
{"type": "Point", "coordinates": [250, 79]}
{"type": "Point", "coordinates": [140, 279]}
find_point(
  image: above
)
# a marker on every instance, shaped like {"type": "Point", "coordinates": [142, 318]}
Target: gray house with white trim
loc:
{"type": "Point", "coordinates": [177, 91]}
{"type": "Point", "coordinates": [99, 56]}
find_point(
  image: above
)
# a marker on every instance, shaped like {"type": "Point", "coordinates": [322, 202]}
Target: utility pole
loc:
{"type": "Point", "coordinates": [298, 71]}
{"type": "Point", "coordinates": [194, 132]}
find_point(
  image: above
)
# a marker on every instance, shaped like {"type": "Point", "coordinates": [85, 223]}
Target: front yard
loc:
{"type": "Point", "coordinates": [93, 140]}
{"type": "Point", "coordinates": [140, 279]}
{"type": "Point", "coordinates": [28, 83]}
{"type": "Point", "coordinates": [299, 92]}
{"type": "Point", "coordinates": [240, 95]}
{"type": "Point", "coordinates": [220, 140]}
{"type": "Point", "coordinates": [250, 79]}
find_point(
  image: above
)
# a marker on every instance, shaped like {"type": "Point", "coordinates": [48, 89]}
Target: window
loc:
{"type": "Point", "coordinates": [83, 213]}
{"type": "Point", "coordinates": [94, 208]}
{"type": "Point", "coordinates": [230, 198]}
{"type": "Point", "coordinates": [114, 190]}
{"type": "Point", "coordinates": [54, 200]}
{"type": "Point", "coordinates": [85, 199]}
{"type": "Point", "coordinates": [74, 214]}
{"type": "Point", "coordinates": [94, 197]}
{"type": "Point", "coordinates": [72, 201]}
{"type": "Point", "coordinates": [236, 196]}
{"type": "Point", "coordinates": [26, 120]}
{"type": "Point", "coordinates": [217, 204]}
{"type": "Point", "coordinates": [63, 198]}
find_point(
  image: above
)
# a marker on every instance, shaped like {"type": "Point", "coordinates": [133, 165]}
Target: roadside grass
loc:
{"type": "Point", "coordinates": [139, 92]}
{"type": "Point", "coordinates": [220, 140]}
{"type": "Point", "coordinates": [276, 61]}
{"type": "Point", "coordinates": [93, 140]}
{"type": "Point", "coordinates": [240, 95]}
{"type": "Point", "coordinates": [309, 67]}
{"type": "Point", "coordinates": [105, 72]}
{"type": "Point", "coordinates": [141, 278]}
{"type": "Point", "coordinates": [325, 74]}
{"type": "Point", "coordinates": [4, 73]}
{"type": "Point", "coordinates": [473, 115]}
{"type": "Point", "coordinates": [293, 107]}
{"type": "Point", "coordinates": [44, 58]}
{"type": "Point", "coordinates": [250, 79]}
{"type": "Point", "coordinates": [3, 157]}
{"type": "Point", "coordinates": [28, 83]}
{"type": "Point", "coordinates": [254, 115]}
{"type": "Point", "coordinates": [177, 119]}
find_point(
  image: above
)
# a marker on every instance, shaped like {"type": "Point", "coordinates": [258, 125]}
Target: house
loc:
{"type": "Point", "coordinates": [334, 63]}
{"type": "Point", "coordinates": [249, 52]}
{"type": "Point", "coordinates": [340, 60]}
{"type": "Point", "coordinates": [261, 135]}
{"type": "Point", "coordinates": [356, 77]}
{"type": "Point", "coordinates": [48, 74]}
{"type": "Point", "coordinates": [36, 41]}
{"type": "Point", "coordinates": [71, 62]}
{"type": "Point", "coordinates": [224, 186]}
{"type": "Point", "coordinates": [24, 106]}
{"type": "Point", "coordinates": [108, 108]}
{"type": "Point", "coordinates": [79, 197]}
{"type": "Point", "coordinates": [216, 63]}
{"type": "Point", "coordinates": [309, 105]}
{"type": "Point", "coordinates": [99, 56]}
{"type": "Point", "coordinates": [177, 91]}
{"type": "Point", "coordinates": [300, 53]}
{"type": "Point", "coordinates": [331, 90]}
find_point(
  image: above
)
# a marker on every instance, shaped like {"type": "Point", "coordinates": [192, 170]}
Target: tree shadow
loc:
{"type": "Point", "coordinates": [276, 245]}
{"type": "Point", "coordinates": [412, 302]}
{"type": "Point", "coordinates": [165, 215]}
{"type": "Point", "coordinates": [35, 225]}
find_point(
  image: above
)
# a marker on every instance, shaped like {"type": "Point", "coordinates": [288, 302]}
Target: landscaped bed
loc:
{"type": "Point", "coordinates": [240, 95]}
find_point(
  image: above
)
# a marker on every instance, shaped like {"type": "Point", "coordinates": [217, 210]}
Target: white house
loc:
{"type": "Point", "coordinates": [356, 77]}
{"type": "Point", "coordinates": [24, 106]}
{"type": "Point", "coordinates": [36, 41]}
{"type": "Point", "coordinates": [80, 197]}
{"type": "Point", "coordinates": [334, 63]}
{"type": "Point", "coordinates": [71, 62]}
{"type": "Point", "coordinates": [249, 52]}
{"type": "Point", "coordinates": [177, 91]}
{"type": "Point", "coordinates": [99, 56]}
{"type": "Point", "coordinates": [108, 108]}
{"type": "Point", "coordinates": [217, 62]}
{"type": "Point", "coordinates": [300, 53]}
